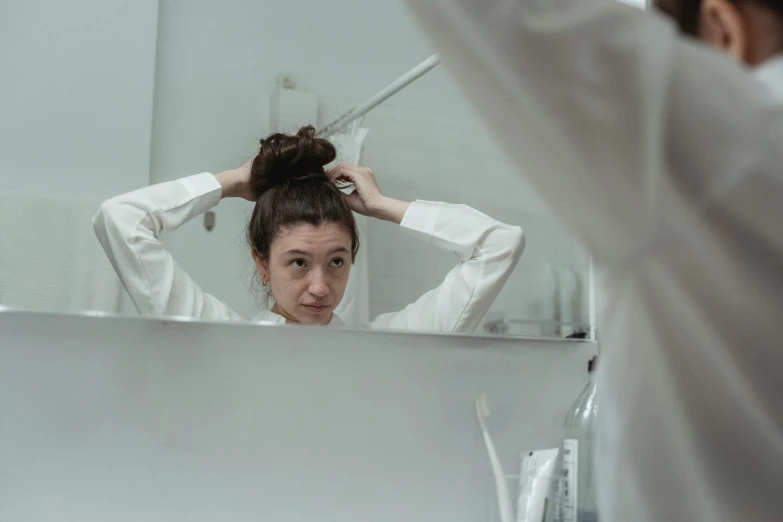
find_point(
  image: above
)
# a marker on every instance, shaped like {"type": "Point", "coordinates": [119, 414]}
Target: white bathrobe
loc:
{"type": "Point", "coordinates": [130, 227]}
{"type": "Point", "coordinates": [666, 158]}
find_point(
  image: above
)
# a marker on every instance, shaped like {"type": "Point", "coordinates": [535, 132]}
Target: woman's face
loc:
{"type": "Point", "coordinates": [307, 271]}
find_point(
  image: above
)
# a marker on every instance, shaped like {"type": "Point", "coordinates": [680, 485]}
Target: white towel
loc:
{"type": "Point", "coordinates": [50, 259]}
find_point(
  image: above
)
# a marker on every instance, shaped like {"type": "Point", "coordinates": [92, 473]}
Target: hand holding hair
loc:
{"type": "Point", "coordinates": [367, 198]}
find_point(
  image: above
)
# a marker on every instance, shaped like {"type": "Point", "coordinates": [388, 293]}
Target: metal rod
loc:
{"type": "Point", "coordinates": [383, 95]}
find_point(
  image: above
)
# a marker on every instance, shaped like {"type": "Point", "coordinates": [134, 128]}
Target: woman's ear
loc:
{"type": "Point", "coordinates": [262, 267]}
{"type": "Point", "coordinates": [722, 26]}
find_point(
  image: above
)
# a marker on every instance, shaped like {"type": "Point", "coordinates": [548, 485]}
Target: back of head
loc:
{"type": "Point", "coordinates": [291, 187]}
{"type": "Point", "coordinates": [749, 30]}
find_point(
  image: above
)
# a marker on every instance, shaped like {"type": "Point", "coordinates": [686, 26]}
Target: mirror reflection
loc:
{"type": "Point", "coordinates": [185, 136]}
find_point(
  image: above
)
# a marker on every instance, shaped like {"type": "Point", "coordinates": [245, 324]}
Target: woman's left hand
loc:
{"type": "Point", "coordinates": [236, 182]}
{"type": "Point", "coordinates": [367, 199]}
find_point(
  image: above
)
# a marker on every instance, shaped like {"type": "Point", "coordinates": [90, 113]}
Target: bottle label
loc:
{"type": "Point", "coordinates": [568, 492]}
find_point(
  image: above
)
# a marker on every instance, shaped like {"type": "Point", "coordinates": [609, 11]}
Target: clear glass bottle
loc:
{"type": "Point", "coordinates": [577, 502]}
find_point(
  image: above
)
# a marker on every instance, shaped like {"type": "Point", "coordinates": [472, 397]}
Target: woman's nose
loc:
{"type": "Point", "coordinates": [318, 286]}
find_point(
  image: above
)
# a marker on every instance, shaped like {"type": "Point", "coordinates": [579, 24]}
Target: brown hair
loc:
{"type": "Point", "coordinates": [686, 12]}
{"type": "Point", "coordinates": [291, 188]}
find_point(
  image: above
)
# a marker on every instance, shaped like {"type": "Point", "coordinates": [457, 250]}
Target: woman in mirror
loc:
{"type": "Point", "coordinates": [303, 240]}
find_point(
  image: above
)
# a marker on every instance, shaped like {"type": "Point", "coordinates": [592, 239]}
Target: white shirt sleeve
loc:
{"type": "Point", "coordinates": [130, 227]}
{"type": "Point", "coordinates": [488, 252]}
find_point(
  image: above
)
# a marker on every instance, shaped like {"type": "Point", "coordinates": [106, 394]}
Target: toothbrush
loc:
{"type": "Point", "coordinates": [501, 485]}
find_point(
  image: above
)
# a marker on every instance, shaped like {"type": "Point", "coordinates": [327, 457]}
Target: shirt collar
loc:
{"type": "Point", "coordinates": [270, 316]}
{"type": "Point", "coordinates": [770, 73]}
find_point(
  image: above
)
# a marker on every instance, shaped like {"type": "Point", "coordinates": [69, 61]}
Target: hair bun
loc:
{"type": "Point", "coordinates": [284, 158]}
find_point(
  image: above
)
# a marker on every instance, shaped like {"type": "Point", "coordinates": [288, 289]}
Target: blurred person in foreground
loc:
{"type": "Point", "coordinates": [658, 137]}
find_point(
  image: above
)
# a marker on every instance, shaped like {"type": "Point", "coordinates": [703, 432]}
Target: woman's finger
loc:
{"type": "Point", "coordinates": [355, 203]}
{"type": "Point", "coordinates": [335, 173]}
{"type": "Point", "coordinates": [349, 174]}
{"type": "Point", "coordinates": [344, 171]}
{"type": "Point", "coordinates": [350, 167]}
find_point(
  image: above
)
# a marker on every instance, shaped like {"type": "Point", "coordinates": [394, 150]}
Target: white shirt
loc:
{"type": "Point", "coordinates": [667, 160]}
{"type": "Point", "coordinates": [130, 227]}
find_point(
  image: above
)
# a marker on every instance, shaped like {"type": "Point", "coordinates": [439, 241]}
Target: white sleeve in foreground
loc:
{"type": "Point", "coordinates": [608, 113]}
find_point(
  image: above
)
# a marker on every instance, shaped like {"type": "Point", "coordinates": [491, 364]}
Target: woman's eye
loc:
{"type": "Point", "coordinates": [338, 262]}
{"type": "Point", "coordinates": [298, 263]}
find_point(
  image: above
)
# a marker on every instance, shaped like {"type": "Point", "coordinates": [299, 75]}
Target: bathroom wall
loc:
{"type": "Point", "coordinates": [76, 96]}
{"type": "Point", "coordinates": [76, 89]}
{"type": "Point", "coordinates": [218, 63]}
{"type": "Point", "coordinates": [139, 419]}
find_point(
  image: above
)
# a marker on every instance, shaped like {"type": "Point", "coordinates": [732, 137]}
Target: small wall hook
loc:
{"type": "Point", "coordinates": [209, 220]}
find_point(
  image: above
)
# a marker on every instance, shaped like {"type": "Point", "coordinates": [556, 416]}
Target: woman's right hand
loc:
{"type": "Point", "coordinates": [236, 182]}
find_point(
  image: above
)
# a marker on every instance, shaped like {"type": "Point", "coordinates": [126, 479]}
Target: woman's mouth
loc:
{"type": "Point", "coordinates": [317, 309]}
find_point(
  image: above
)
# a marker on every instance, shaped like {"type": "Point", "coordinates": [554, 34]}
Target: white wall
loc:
{"type": "Point", "coordinates": [218, 64]}
{"type": "Point", "coordinates": [75, 129]}
{"type": "Point", "coordinates": [136, 419]}
{"type": "Point", "coordinates": [76, 96]}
